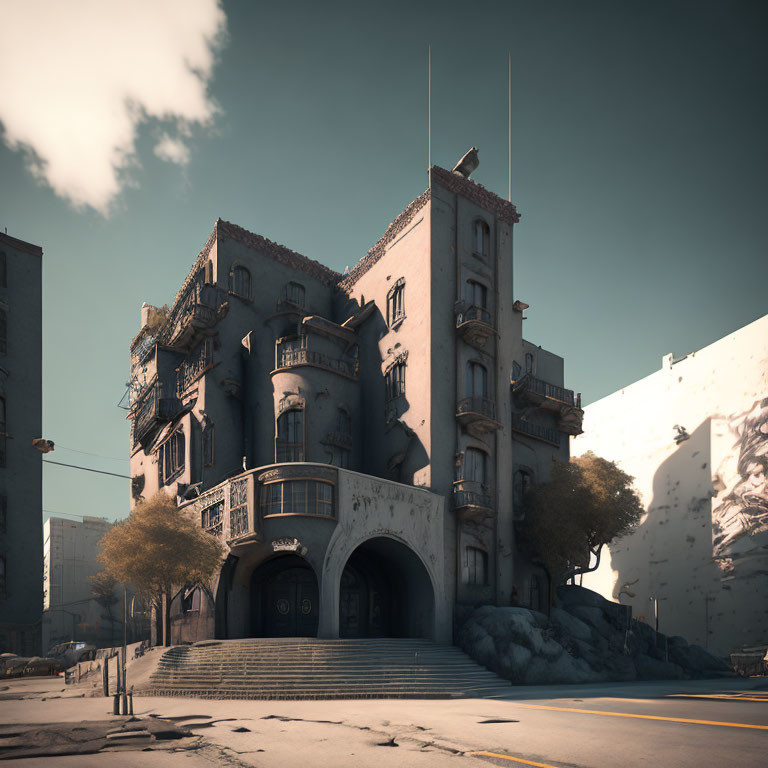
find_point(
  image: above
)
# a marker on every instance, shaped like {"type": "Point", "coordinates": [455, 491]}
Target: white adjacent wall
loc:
{"type": "Point", "coordinates": [701, 549]}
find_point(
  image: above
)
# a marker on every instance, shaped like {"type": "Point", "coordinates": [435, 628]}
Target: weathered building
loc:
{"type": "Point", "coordinates": [21, 481]}
{"type": "Point", "coordinates": [70, 612]}
{"type": "Point", "coordinates": [360, 441]}
{"type": "Point", "coordinates": [695, 437]}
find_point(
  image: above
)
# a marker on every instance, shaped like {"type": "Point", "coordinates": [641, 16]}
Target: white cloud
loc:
{"type": "Point", "coordinates": [173, 150]}
{"type": "Point", "coordinates": [77, 77]}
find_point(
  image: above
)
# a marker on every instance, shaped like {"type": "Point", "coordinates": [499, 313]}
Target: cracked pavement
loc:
{"type": "Point", "coordinates": [622, 725]}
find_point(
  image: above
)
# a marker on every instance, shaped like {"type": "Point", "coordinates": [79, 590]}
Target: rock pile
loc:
{"type": "Point", "coordinates": [585, 639]}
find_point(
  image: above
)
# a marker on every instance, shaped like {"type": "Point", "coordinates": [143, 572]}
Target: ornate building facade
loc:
{"type": "Point", "coordinates": [360, 442]}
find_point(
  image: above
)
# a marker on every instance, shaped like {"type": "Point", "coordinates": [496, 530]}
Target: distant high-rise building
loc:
{"type": "Point", "coordinates": [70, 549]}
{"type": "Point", "coordinates": [360, 442]}
{"type": "Point", "coordinates": [21, 492]}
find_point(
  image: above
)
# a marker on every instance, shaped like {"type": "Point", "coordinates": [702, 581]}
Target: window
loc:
{"type": "Point", "coordinates": [395, 303]}
{"type": "Point", "coordinates": [3, 331]}
{"type": "Point", "coordinates": [394, 381]}
{"type": "Point", "coordinates": [344, 423]}
{"type": "Point", "coordinates": [171, 457]}
{"type": "Point", "coordinates": [211, 517]}
{"type": "Point", "coordinates": [3, 428]}
{"type": "Point", "coordinates": [297, 497]}
{"type": "Point", "coordinates": [295, 293]}
{"type": "Point", "coordinates": [290, 436]}
{"type": "Point", "coordinates": [240, 282]}
{"type": "Point", "coordinates": [190, 600]}
{"type": "Point", "coordinates": [520, 485]}
{"type": "Point", "coordinates": [3, 270]}
{"type": "Point", "coordinates": [476, 568]}
{"type": "Point", "coordinates": [477, 380]}
{"type": "Point", "coordinates": [475, 294]}
{"type": "Point", "coordinates": [209, 272]}
{"type": "Point", "coordinates": [528, 362]}
{"type": "Point", "coordinates": [482, 239]}
{"type": "Point", "coordinates": [475, 465]}
{"type": "Point", "coordinates": [208, 445]}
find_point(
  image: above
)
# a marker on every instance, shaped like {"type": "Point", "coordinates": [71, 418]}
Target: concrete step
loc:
{"type": "Point", "coordinates": [312, 668]}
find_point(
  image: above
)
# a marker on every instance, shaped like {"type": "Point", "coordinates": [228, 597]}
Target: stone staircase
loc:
{"type": "Point", "coordinates": [310, 668]}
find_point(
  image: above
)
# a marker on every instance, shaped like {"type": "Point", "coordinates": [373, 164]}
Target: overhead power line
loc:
{"type": "Point", "coordinates": [87, 453]}
{"type": "Point", "coordinates": [86, 469]}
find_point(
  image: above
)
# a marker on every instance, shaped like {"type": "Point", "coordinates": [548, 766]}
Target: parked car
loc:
{"type": "Point", "coordinates": [5, 660]}
{"type": "Point", "coordinates": [68, 654]}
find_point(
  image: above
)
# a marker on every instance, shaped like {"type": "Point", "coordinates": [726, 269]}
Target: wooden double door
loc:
{"type": "Point", "coordinates": [289, 603]}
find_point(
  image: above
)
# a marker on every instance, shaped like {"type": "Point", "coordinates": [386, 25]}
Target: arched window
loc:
{"type": "Point", "coordinates": [344, 422]}
{"type": "Point", "coordinates": [529, 362]}
{"type": "Point", "coordinates": [394, 381]}
{"type": "Point", "coordinates": [520, 485]}
{"type": "Point", "coordinates": [171, 456]}
{"type": "Point", "coordinates": [476, 465]}
{"type": "Point", "coordinates": [482, 239]}
{"type": "Point", "coordinates": [396, 303]}
{"type": "Point", "coordinates": [295, 293]}
{"type": "Point", "coordinates": [477, 379]}
{"type": "Point", "coordinates": [240, 282]}
{"type": "Point", "coordinates": [289, 445]}
{"type": "Point", "coordinates": [476, 566]}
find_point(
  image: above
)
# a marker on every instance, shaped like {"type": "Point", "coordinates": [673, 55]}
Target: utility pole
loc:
{"type": "Point", "coordinates": [125, 639]}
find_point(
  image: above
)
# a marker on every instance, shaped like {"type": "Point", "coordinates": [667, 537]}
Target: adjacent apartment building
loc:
{"type": "Point", "coordinates": [361, 442]}
{"type": "Point", "coordinates": [70, 549]}
{"type": "Point", "coordinates": [695, 437]}
{"type": "Point", "coordinates": [21, 500]}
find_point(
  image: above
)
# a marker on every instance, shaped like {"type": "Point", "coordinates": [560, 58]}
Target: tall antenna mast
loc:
{"type": "Point", "coordinates": [509, 125]}
{"type": "Point", "coordinates": [429, 113]}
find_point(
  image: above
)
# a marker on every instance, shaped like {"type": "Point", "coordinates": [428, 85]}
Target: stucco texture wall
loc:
{"type": "Point", "coordinates": [695, 437]}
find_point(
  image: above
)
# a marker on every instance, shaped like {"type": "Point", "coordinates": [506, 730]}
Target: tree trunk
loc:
{"type": "Point", "coordinates": [166, 619]}
{"type": "Point", "coordinates": [572, 573]}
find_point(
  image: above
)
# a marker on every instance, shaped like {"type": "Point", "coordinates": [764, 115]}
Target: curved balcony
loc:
{"type": "Point", "coordinates": [477, 414]}
{"type": "Point", "coordinates": [475, 325]}
{"type": "Point", "coordinates": [473, 501]}
{"type": "Point", "coordinates": [293, 357]}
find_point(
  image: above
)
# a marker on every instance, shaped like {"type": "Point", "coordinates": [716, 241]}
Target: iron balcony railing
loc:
{"type": "Point", "coordinates": [531, 384]}
{"type": "Point", "coordinates": [191, 370]}
{"type": "Point", "coordinates": [289, 358]}
{"type": "Point", "coordinates": [538, 431]}
{"type": "Point", "coordinates": [474, 313]}
{"type": "Point", "coordinates": [472, 493]}
{"type": "Point", "coordinates": [152, 410]}
{"type": "Point", "coordinates": [477, 404]}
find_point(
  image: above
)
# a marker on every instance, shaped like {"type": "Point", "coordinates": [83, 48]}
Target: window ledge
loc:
{"type": "Point", "coordinates": [397, 322]}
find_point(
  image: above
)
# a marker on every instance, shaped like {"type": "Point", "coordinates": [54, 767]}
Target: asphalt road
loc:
{"type": "Point", "coordinates": [696, 724]}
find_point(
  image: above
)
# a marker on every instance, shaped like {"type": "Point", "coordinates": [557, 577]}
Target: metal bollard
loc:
{"type": "Point", "coordinates": [130, 703]}
{"type": "Point", "coordinates": [116, 704]}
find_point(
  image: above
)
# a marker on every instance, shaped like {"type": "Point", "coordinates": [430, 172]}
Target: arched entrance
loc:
{"type": "Point", "coordinates": [284, 599]}
{"type": "Point", "coordinates": [385, 591]}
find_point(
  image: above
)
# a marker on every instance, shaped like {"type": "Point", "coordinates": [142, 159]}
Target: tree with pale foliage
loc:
{"type": "Point", "coordinates": [158, 550]}
{"type": "Point", "coordinates": [587, 503]}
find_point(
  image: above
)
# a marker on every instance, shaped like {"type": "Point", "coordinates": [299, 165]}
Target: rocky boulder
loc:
{"type": "Point", "coordinates": [586, 638]}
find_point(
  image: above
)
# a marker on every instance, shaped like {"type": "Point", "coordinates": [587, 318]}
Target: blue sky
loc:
{"type": "Point", "coordinates": [639, 163]}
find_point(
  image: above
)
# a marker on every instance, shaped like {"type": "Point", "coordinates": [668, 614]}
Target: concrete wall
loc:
{"type": "Point", "coordinates": [702, 547]}
{"type": "Point", "coordinates": [21, 539]}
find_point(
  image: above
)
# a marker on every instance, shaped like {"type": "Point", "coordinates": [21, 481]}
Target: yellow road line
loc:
{"type": "Point", "coordinates": [734, 697]}
{"type": "Point", "coordinates": [644, 717]}
{"type": "Point", "coordinates": [514, 759]}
